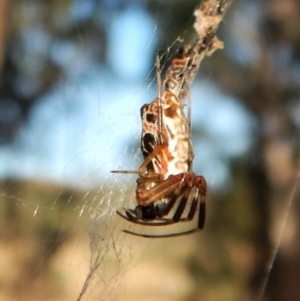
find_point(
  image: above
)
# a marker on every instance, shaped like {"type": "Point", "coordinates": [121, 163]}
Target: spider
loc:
{"type": "Point", "coordinates": [165, 176]}
{"type": "Point", "coordinates": [166, 182]}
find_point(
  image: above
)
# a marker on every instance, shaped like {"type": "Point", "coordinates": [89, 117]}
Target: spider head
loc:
{"type": "Point", "coordinates": [150, 212]}
{"type": "Point", "coordinates": [147, 212]}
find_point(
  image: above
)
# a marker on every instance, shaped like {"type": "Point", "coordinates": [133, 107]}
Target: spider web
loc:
{"type": "Point", "coordinates": [80, 252]}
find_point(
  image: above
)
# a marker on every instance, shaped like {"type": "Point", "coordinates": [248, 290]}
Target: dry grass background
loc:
{"type": "Point", "coordinates": [46, 253]}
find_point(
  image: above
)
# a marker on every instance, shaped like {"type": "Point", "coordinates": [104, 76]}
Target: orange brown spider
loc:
{"type": "Point", "coordinates": [165, 177]}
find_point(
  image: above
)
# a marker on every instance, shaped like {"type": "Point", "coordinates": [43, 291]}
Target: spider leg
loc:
{"type": "Point", "coordinates": [136, 220]}
{"type": "Point", "coordinates": [200, 183]}
{"type": "Point", "coordinates": [163, 236]}
{"type": "Point", "coordinates": [164, 221]}
{"type": "Point", "coordinates": [150, 157]}
{"type": "Point", "coordinates": [170, 185]}
{"type": "Point", "coordinates": [169, 206]}
{"type": "Point", "coordinates": [132, 214]}
{"type": "Point", "coordinates": [202, 208]}
{"type": "Point", "coordinates": [128, 216]}
{"type": "Point", "coordinates": [181, 205]}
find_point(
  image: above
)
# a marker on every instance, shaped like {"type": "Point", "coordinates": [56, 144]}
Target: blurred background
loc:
{"type": "Point", "coordinates": [73, 76]}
